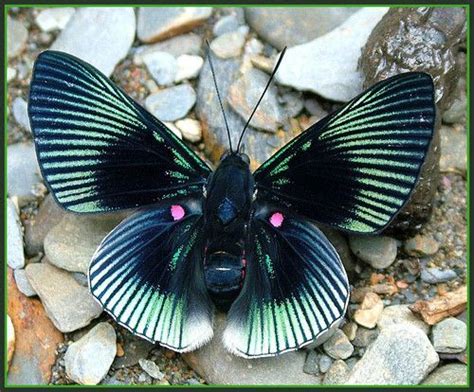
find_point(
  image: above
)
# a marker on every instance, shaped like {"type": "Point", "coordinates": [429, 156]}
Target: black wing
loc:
{"type": "Point", "coordinates": [355, 169]}
{"type": "Point", "coordinates": [98, 149]}
{"type": "Point", "coordinates": [294, 291]}
{"type": "Point", "coordinates": [148, 274]}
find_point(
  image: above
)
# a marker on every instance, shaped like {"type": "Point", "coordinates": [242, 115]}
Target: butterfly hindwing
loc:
{"type": "Point", "coordinates": [148, 274]}
{"type": "Point", "coordinates": [295, 287]}
{"type": "Point", "coordinates": [355, 169]}
{"type": "Point", "coordinates": [97, 148]}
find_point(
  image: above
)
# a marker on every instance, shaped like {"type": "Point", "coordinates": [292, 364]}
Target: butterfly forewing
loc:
{"type": "Point", "coordinates": [355, 169]}
{"type": "Point", "coordinates": [97, 148]}
{"type": "Point", "coordinates": [295, 288]}
{"type": "Point", "coordinates": [148, 274]}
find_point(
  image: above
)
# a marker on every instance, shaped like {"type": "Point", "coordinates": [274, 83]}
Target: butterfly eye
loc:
{"type": "Point", "coordinates": [245, 158]}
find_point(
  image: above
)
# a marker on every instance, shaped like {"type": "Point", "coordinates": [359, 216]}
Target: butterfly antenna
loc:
{"type": "Point", "coordinates": [218, 94]}
{"type": "Point", "coordinates": [261, 97]}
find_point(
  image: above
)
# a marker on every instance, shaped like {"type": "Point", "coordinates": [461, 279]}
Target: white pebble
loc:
{"type": "Point", "coordinates": [173, 129]}
{"type": "Point", "coordinates": [188, 67]}
{"type": "Point", "coordinates": [11, 74]}
{"type": "Point", "coordinates": [191, 129]}
{"type": "Point", "coordinates": [54, 18]}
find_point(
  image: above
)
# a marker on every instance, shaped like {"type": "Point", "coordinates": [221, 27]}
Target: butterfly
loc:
{"type": "Point", "coordinates": [241, 242]}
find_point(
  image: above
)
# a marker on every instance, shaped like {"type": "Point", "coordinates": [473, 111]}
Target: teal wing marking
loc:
{"type": "Point", "coordinates": [355, 169]}
{"type": "Point", "coordinates": [294, 291]}
{"type": "Point", "coordinates": [148, 274]}
{"type": "Point", "coordinates": [98, 149]}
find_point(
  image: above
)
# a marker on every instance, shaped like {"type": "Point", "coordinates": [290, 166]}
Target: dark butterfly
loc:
{"type": "Point", "coordinates": [226, 238]}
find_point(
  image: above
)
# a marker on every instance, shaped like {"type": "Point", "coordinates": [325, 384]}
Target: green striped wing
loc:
{"type": "Point", "coordinates": [355, 169]}
{"type": "Point", "coordinates": [148, 275]}
{"type": "Point", "coordinates": [295, 289]}
{"type": "Point", "coordinates": [98, 149]}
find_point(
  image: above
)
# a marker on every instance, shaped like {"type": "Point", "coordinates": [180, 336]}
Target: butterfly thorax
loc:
{"type": "Point", "coordinates": [227, 212]}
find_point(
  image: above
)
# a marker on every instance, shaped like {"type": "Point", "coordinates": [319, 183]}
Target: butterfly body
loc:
{"type": "Point", "coordinates": [242, 242]}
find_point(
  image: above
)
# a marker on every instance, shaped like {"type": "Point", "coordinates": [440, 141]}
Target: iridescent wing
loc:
{"type": "Point", "coordinates": [355, 169]}
{"type": "Point", "coordinates": [295, 289]}
{"type": "Point", "coordinates": [98, 149]}
{"type": "Point", "coordinates": [148, 274]}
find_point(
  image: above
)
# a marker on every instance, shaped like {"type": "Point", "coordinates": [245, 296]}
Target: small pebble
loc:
{"type": "Point", "coordinates": [379, 252]}
{"type": "Point", "coordinates": [311, 365]}
{"type": "Point", "coordinates": [325, 362]}
{"type": "Point", "coordinates": [337, 374]}
{"type": "Point", "coordinates": [174, 129]}
{"type": "Point", "coordinates": [151, 368]}
{"type": "Point", "coordinates": [162, 67]}
{"type": "Point", "coordinates": [54, 18]}
{"type": "Point", "coordinates": [369, 311]}
{"type": "Point", "coordinates": [437, 275]}
{"type": "Point", "coordinates": [11, 74]}
{"type": "Point", "coordinates": [16, 256]}
{"type": "Point", "coordinates": [365, 336]}
{"type": "Point", "coordinates": [421, 245]}
{"type": "Point", "coordinates": [20, 112]}
{"type": "Point", "coordinates": [449, 336]}
{"type": "Point", "coordinates": [23, 283]}
{"type": "Point", "coordinates": [350, 330]}
{"type": "Point", "coordinates": [190, 129]}
{"type": "Point", "coordinates": [228, 45]}
{"type": "Point", "coordinates": [188, 67]}
{"type": "Point", "coordinates": [225, 24]}
{"type": "Point", "coordinates": [173, 103]}
{"type": "Point", "coordinates": [338, 346]}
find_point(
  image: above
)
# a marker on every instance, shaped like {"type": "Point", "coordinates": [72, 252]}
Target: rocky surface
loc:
{"type": "Point", "coordinates": [156, 24]}
{"type": "Point", "coordinates": [449, 336]}
{"type": "Point", "coordinates": [294, 26]}
{"type": "Point", "coordinates": [173, 103]}
{"type": "Point", "coordinates": [416, 39]}
{"type": "Point", "coordinates": [101, 36]}
{"type": "Point", "coordinates": [88, 360]}
{"type": "Point", "coordinates": [69, 305]}
{"type": "Point", "coordinates": [16, 37]}
{"type": "Point", "coordinates": [218, 366]}
{"type": "Point", "coordinates": [398, 315]}
{"type": "Point", "coordinates": [378, 252]}
{"type": "Point", "coordinates": [338, 346]}
{"type": "Point", "coordinates": [453, 150]}
{"type": "Point", "coordinates": [304, 64]}
{"type": "Point", "coordinates": [71, 243]}
{"type": "Point", "coordinates": [401, 355]}
{"type": "Point", "coordinates": [450, 374]}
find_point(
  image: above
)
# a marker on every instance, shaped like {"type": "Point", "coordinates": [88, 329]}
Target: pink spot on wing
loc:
{"type": "Point", "coordinates": [277, 219]}
{"type": "Point", "coordinates": [177, 212]}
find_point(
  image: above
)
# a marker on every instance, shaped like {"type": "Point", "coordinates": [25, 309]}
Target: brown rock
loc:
{"type": "Point", "coordinates": [370, 311]}
{"type": "Point", "coordinates": [440, 307]}
{"type": "Point", "coordinates": [36, 338]}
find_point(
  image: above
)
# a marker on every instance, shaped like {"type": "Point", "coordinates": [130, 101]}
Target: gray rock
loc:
{"type": "Point", "coordinates": [22, 282]}
{"type": "Point", "coordinates": [304, 64]}
{"type": "Point", "coordinates": [188, 67]}
{"type": "Point", "coordinates": [54, 18]}
{"type": "Point", "coordinates": [453, 150]}
{"type": "Point", "coordinates": [258, 145]}
{"type": "Point", "coordinates": [22, 171]}
{"type": "Point", "coordinates": [421, 245]}
{"type": "Point", "coordinates": [101, 36]}
{"type": "Point", "coordinates": [311, 365]}
{"type": "Point", "coordinates": [156, 24]}
{"type": "Point", "coordinates": [400, 314]}
{"type": "Point", "coordinates": [173, 103]}
{"type": "Point", "coordinates": [134, 349]}
{"type": "Point", "coordinates": [71, 244]}
{"type": "Point", "coordinates": [15, 256]}
{"type": "Point", "coordinates": [244, 94]}
{"type": "Point", "coordinates": [293, 26]}
{"type": "Point", "coordinates": [337, 374]}
{"type": "Point", "coordinates": [325, 362]}
{"type": "Point", "coordinates": [364, 336]}
{"type": "Point", "coordinates": [292, 102]}
{"type": "Point", "coordinates": [350, 329]}
{"type": "Point", "coordinates": [176, 46]}
{"type": "Point", "coordinates": [416, 39]}
{"type": "Point", "coordinates": [437, 275]}
{"type": "Point", "coordinates": [16, 37]}
{"type": "Point", "coordinates": [218, 366]}
{"type": "Point", "coordinates": [80, 278]}
{"type": "Point", "coordinates": [162, 67]}
{"type": "Point", "coordinates": [456, 112]}
{"type": "Point", "coordinates": [379, 252]}
{"type": "Point", "coordinates": [452, 374]}
{"type": "Point", "coordinates": [88, 360]}
{"type": "Point", "coordinates": [449, 336]}
{"type": "Point", "coordinates": [225, 25]}
{"type": "Point", "coordinates": [49, 215]}
{"type": "Point", "coordinates": [69, 305]}
{"type": "Point", "coordinates": [229, 45]}
{"type": "Point", "coordinates": [401, 355]}
{"type": "Point", "coordinates": [20, 112]}
{"type": "Point", "coordinates": [338, 346]}
{"type": "Point", "coordinates": [151, 368]}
